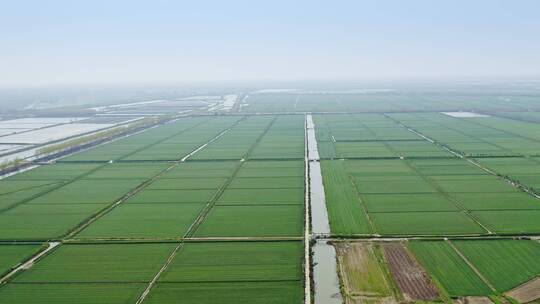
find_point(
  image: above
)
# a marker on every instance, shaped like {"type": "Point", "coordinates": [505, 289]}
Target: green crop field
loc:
{"type": "Point", "coordinates": [210, 207]}
{"type": "Point", "coordinates": [11, 255]}
{"type": "Point", "coordinates": [235, 262]}
{"type": "Point", "coordinates": [448, 268]}
{"type": "Point", "coordinates": [504, 263]}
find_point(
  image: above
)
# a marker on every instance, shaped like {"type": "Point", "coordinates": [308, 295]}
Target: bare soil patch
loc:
{"type": "Point", "coordinates": [411, 279]}
{"type": "Point", "coordinates": [527, 292]}
{"type": "Point", "coordinates": [473, 300]}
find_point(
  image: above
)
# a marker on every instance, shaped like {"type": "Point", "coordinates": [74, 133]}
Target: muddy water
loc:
{"type": "Point", "coordinates": [319, 214]}
{"type": "Point", "coordinates": [313, 152]}
{"type": "Point", "coordinates": [325, 274]}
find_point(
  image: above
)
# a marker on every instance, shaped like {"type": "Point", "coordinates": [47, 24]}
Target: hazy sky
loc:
{"type": "Point", "coordinates": [75, 41]}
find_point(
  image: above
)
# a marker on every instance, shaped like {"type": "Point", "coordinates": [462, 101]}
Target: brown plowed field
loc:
{"type": "Point", "coordinates": [527, 292]}
{"type": "Point", "coordinates": [408, 275]}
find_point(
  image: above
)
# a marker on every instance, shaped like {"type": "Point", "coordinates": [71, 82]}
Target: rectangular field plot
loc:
{"type": "Point", "coordinates": [166, 208]}
{"type": "Point", "coordinates": [233, 272]}
{"type": "Point", "coordinates": [262, 197]}
{"type": "Point", "coordinates": [42, 221]}
{"type": "Point", "coordinates": [227, 292]}
{"type": "Point", "coordinates": [526, 171]}
{"type": "Point", "coordinates": [510, 221]}
{"type": "Point", "coordinates": [369, 136]}
{"type": "Point", "coordinates": [46, 293]}
{"type": "Point", "coordinates": [12, 255]}
{"type": "Point", "coordinates": [187, 183]}
{"type": "Point", "coordinates": [407, 202]}
{"type": "Point", "coordinates": [236, 261]}
{"type": "Point", "coordinates": [103, 192]}
{"type": "Point", "coordinates": [62, 207]}
{"type": "Point", "coordinates": [274, 182]}
{"type": "Point", "coordinates": [504, 263]}
{"type": "Point", "coordinates": [345, 210]}
{"type": "Point", "coordinates": [424, 223]}
{"type": "Point", "coordinates": [448, 269]}
{"type": "Point", "coordinates": [195, 170]}
{"type": "Point", "coordinates": [420, 197]}
{"type": "Point", "coordinates": [173, 196]}
{"type": "Point", "coordinates": [153, 220]}
{"type": "Point", "coordinates": [58, 171]}
{"type": "Point", "coordinates": [363, 275]}
{"type": "Point", "coordinates": [284, 139]}
{"type": "Point", "coordinates": [132, 144]}
{"type": "Point", "coordinates": [180, 145]}
{"type": "Point", "coordinates": [98, 263]}
{"type": "Point", "coordinates": [170, 141]}
{"type": "Point", "coordinates": [272, 169]}
{"type": "Point", "coordinates": [478, 136]}
{"type": "Point", "coordinates": [239, 221]}
{"type": "Point", "coordinates": [31, 184]}
{"type": "Point", "coordinates": [238, 142]}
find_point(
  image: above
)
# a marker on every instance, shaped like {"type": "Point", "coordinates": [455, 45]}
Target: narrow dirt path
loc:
{"type": "Point", "coordinates": [30, 262]}
{"type": "Point", "coordinates": [471, 265]}
{"type": "Point", "coordinates": [307, 217]}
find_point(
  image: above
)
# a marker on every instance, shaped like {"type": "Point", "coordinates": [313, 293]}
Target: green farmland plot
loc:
{"type": "Point", "coordinates": [504, 263]}
{"type": "Point", "coordinates": [345, 210]}
{"type": "Point", "coordinates": [104, 192]}
{"type": "Point", "coordinates": [510, 221]}
{"type": "Point", "coordinates": [236, 143]}
{"type": "Point", "coordinates": [152, 220]}
{"type": "Point", "coordinates": [526, 171]}
{"type": "Point", "coordinates": [191, 169]}
{"type": "Point", "coordinates": [233, 272]}
{"type": "Point", "coordinates": [88, 273]}
{"type": "Point", "coordinates": [58, 171]}
{"type": "Point", "coordinates": [262, 197]}
{"type": "Point", "coordinates": [11, 255]}
{"type": "Point", "coordinates": [169, 141]}
{"type": "Point", "coordinates": [275, 182]}
{"type": "Point", "coordinates": [164, 209]}
{"type": "Point", "coordinates": [174, 196]}
{"type": "Point", "coordinates": [15, 191]}
{"type": "Point", "coordinates": [284, 139]}
{"type": "Point", "coordinates": [98, 263]}
{"type": "Point", "coordinates": [272, 169]}
{"type": "Point", "coordinates": [175, 147]}
{"type": "Point", "coordinates": [407, 202]}
{"type": "Point", "coordinates": [130, 145]}
{"type": "Point", "coordinates": [43, 221]}
{"type": "Point", "coordinates": [227, 292]}
{"type": "Point", "coordinates": [31, 184]}
{"type": "Point", "coordinates": [424, 223]}
{"type": "Point", "coordinates": [426, 197]}
{"type": "Point", "coordinates": [445, 265]}
{"type": "Point", "coordinates": [498, 201]}
{"type": "Point", "coordinates": [236, 261]}
{"type": "Point", "coordinates": [199, 183]}
{"type": "Point", "coordinates": [477, 136]}
{"type": "Point", "coordinates": [46, 293]}
{"type": "Point", "coordinates": [267, 220]}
